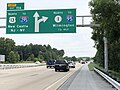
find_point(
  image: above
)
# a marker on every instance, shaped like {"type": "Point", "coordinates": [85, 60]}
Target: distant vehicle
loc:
{"type": "Point", "coordinates": [86, 61]}
{"type": "Point", "coordinates": [82, 62]}
{"type": "Point", "coordinates": [71, 64]}
{"type": "Point", "coordinates": [37, 62]}
{"type": "Point", "coordinates": [61, 65]}
{"type": "Point", "coordinates": [50, 63]}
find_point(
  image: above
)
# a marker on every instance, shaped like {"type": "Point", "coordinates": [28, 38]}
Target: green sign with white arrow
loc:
{"type": "Point", "coordinates": [41, 21]}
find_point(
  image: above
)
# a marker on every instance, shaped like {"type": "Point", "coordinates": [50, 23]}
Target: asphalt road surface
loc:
{"type": "Point", "coordinates": [33, 78]}
{"type": "Point", "coordinates": [41, 78]}
{"type": "Point", "coordinates": [84, 79]}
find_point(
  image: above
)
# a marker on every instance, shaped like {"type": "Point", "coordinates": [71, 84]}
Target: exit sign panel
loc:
{"type": "Point", "coordinates": [41, 21]}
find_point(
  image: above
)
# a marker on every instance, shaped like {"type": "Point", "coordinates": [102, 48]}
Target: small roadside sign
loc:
{"type": "Point", "coordinates": [15, 6]}
{"type": "Point", "coordinates": [2, 58]}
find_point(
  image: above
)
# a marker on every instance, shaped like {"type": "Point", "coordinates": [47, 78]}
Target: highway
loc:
{"type": "Point", "coordinates": [41, 78]}
{"type": "Point", "coordinates": [33, 78]}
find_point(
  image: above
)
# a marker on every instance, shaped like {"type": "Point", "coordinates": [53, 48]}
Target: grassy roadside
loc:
{"type": "Point", "coordinates": [22, 62]}
{"type": "Point", "coordinates": [115, 75]}
{"type": "Point", "coordinates": [92, 65]}
{"type": "Point", "coordinates": [111, 73]}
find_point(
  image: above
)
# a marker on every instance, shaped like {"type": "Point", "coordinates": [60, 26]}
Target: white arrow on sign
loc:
{"type": "Point", "coordinates": [37, 21]}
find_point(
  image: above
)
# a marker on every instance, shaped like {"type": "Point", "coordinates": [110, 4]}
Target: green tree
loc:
{"type": "Point", "coordinates": [107, 14]}
{"type": "Point", "coordinates": [35, 49]}
{"type": "Point", "coordinates": [20, 50]}
{"type": "Point", "coordinates": [12, 57]}
{"type": "Point", "coordinates": [31, 57]}
{"type": "Point", "coordinates": [48, 47]}
{"type": "Point", "coordinates": [40, 56]}
{"type": "Point", "coordinates": [47, 56]}
{"type": "Point", "coordinates": [61, 53]}
{"type": "Point", "coordinates": [6, 46]}
{"type": "Point", "coordinates": [74, 58]}
{"type": "Point", "coordinates": [17, 56]}
{"type": "Point", "coordinates": [54, 55]}
{"type": "Point", "coordinates": [27, 51]}
{"type": "Point", "coordinates": [36, 59]}
{"type": "Point", "coordinates": [67, 58]}
{"type": "Point", "coordinates": [2, 46]}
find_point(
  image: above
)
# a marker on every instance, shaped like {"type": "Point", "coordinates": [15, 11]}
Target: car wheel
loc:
{"type": "Point", "coordinates": [55, 70]}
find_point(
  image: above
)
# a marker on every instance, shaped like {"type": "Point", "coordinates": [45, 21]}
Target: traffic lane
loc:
{"type": "Point", "coordinates": [11, 72]}
{"type": "Point", "coordinates": [38, 78]}
{"type": "Point", "coordinates": [48, 82]}
{"type": "Point", "coordinates": [9, 78]}
{"type": "Point", "coordinates": [59, 82]}
{"type": "Point", "coordinates": [30, 80]}
{"type": "Point", "coordinates": [14, 80]}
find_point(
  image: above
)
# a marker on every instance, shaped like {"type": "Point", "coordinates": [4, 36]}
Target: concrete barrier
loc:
{"type": "Point", "coordinates": [13, 66]}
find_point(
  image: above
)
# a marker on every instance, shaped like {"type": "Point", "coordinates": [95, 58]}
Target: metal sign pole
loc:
{"type": "Point", "coordinates": [105, 54]}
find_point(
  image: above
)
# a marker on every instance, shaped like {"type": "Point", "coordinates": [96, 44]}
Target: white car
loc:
{"type": "Point", "coordinates": [37, 62]}
{"type": "Point", "coordinates": [71, 64]}
{"type": "Point", "coordinates": [82, 62]}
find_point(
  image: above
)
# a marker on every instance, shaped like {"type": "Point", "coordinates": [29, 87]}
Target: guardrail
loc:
{"type": "Point", "coordinates": [13, 66]}
{"type": "Point", "coordinates": [109, 79]}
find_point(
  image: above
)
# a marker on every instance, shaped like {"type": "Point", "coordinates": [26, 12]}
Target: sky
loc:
{"type": "Point", "coordinates": [77, 44]}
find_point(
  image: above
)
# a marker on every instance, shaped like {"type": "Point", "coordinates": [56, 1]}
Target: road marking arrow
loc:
{"type": "Point", "coordinates": [37, 21]}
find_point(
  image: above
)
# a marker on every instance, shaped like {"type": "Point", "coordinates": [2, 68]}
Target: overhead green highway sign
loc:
{"type": "Point", "coordinates": [41, 21]}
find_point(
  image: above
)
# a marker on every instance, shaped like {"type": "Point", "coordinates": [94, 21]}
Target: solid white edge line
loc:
{"type": "Point", "coordinates": [57, 81]}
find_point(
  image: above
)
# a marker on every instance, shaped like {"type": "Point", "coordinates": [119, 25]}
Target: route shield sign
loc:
{"type": "Point", "coordinates": [41, 21]}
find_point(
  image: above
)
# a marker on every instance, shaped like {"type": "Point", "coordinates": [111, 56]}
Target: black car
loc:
{"type": "Point", "coordinates": [61, 65]}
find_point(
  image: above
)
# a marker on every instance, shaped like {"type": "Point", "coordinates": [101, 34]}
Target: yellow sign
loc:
{"type": "Point", "coordinates": [11, 5]}
{"type": "Point", "coordinates": [15, 6]}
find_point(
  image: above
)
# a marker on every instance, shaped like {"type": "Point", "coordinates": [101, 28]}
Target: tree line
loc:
{"type": "Point", "coordinates": [107, 14]}
{"type": "Point", "coordinates": [14, 54]}
{"type": "Point", "coordinates": [20, 53]}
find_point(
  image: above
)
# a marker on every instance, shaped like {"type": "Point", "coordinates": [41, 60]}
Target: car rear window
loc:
{"type": "Point", "coordinates": [60, 62]}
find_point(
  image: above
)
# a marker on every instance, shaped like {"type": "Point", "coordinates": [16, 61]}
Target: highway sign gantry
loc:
{"type": "Point", "coordinates": [41, 21]}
